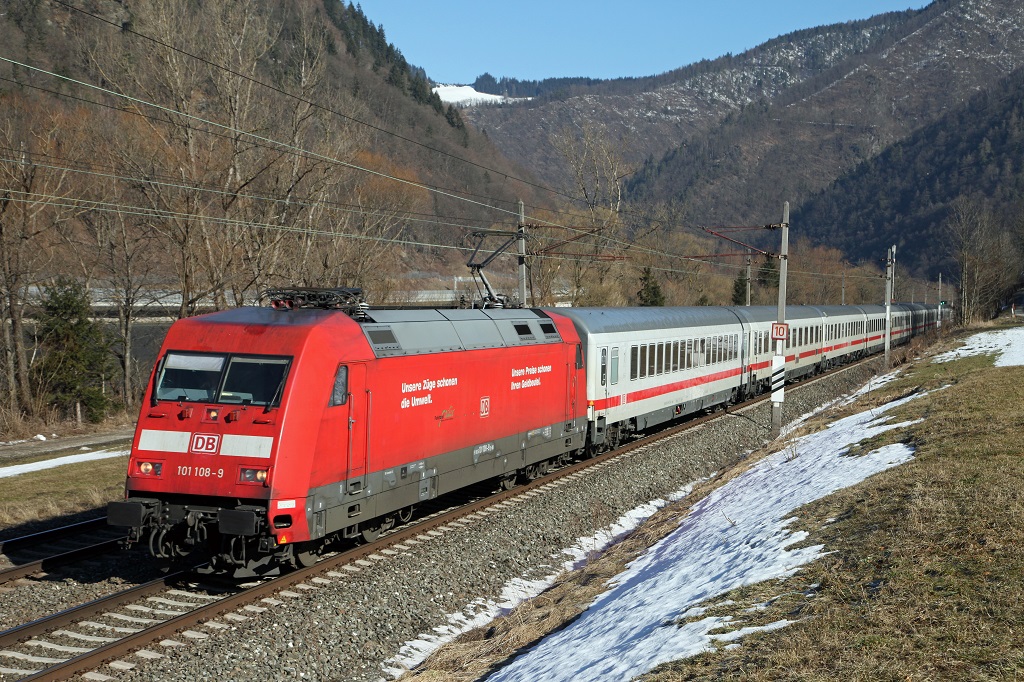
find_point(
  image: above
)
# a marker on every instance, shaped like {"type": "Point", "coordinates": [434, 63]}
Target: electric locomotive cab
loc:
{"type": "Point", "coordinates": [221, 409]}
{"type": "Point", "coordinates": [220, 464]}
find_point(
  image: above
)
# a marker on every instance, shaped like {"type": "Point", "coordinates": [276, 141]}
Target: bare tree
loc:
{"type": "Point", "coordinates": [596, 182]}
{"type": "Point", "coordinates": [34, 204]}
{"type": "Point", "coordinates": [987, 256]}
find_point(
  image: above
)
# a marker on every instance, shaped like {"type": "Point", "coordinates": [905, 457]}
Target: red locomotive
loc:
{"type": "Point", "coordinates": [269, 432]}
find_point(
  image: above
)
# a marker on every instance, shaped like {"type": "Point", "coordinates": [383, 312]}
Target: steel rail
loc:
{"type": "Point", "coordinates": [52, 534]}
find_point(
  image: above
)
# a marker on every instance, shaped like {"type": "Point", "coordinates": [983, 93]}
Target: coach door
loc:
{"type": "Point", "coordinates": [604, 381]}
{"type": "Point", "coordinates": [360, 402]}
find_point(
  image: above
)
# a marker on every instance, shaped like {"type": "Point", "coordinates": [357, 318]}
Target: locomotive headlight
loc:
{"type": "Point", "coordinates": [255, 476]}
{"type": "Point", "coordinates": [150, 468]}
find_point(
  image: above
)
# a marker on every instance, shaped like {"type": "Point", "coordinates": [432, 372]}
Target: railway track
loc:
{"type": "Point", "coordinates": [51, 549]}
{"type": "Point", "coordinates": [117, 630]}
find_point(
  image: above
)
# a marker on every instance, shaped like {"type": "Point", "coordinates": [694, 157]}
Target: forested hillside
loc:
{"type": "Point", "coordinates": [952, 190]}
{"type": "Point", "coordinates": [646, 117]}
{"type": "Point", "coordinates": [802, 141]}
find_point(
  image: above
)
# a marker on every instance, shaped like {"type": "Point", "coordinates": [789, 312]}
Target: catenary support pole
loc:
{"type": "Point", "coordinates": [889, 263]}
{"type": "Point", "coordinates": [522, 255]}
{"type": "Point", "coordinates": [748, 278]}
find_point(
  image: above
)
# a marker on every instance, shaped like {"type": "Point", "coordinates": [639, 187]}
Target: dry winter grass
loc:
{"type": "Point", "coordinates": [60, 491]}
{"type": "Point", "coordinates": [925, 579]}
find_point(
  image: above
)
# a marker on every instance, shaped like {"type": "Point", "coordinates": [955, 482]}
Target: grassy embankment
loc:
{"type": "Point", "coordinates": [925, 579]}
{"type": "Point", "coordinates": [61, 491]}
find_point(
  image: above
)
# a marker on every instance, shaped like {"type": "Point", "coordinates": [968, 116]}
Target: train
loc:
{"type": "Point", "coordinates": [268, 433]}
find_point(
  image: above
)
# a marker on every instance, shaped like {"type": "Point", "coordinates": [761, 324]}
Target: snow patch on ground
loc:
{"type": "Point", "coordinates": [466, 95]}
{"type": "Point", "coordinates": [6, 472]}
{"type": "Point", "coordinates": [1006, 344]}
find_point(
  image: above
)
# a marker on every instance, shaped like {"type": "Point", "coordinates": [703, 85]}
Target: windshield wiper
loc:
{"type": "Point", "coordinates": [277, 393]}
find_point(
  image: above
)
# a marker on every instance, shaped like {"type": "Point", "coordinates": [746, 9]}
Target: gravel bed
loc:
{"type": "Point", "coordinates": [29, 599]}
{"type": "Point", "coordinates": [345, 629]}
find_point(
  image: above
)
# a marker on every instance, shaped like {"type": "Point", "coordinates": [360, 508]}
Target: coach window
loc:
{"type": "Point", "coordinates": [634, 363]}
{"type": "Point", "coordinates": [339, 396]}
{"type": "Point", "coordinates": [615, 366]}
{"type": "Point", "coordinates": [652, 357]}
{"type": "Point", "coordinates": [643, 361]}
{"type": "Point", "coordinates": [675, 356]}
{"type": "Point", "coordinates": [659, 361]}
{"type": "Point", "coordinates": [604, 366]}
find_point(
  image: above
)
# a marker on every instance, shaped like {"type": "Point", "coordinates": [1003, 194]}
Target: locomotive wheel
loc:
{"type": "Point", "coordinates": [405, 514]}
{"type": "Point", "coordinates": [507, 482]}
{"type": "Point", "coordinates": [530, 472]}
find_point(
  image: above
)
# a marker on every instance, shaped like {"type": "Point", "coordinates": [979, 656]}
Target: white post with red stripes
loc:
{"type": "Point", "coordinates": [779, 361]}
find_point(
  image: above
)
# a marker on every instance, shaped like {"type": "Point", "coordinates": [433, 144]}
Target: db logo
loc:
{"type": "Point", "coordinates": [205, 443]}
{"type": "Point", "coordinates": [485, 406]}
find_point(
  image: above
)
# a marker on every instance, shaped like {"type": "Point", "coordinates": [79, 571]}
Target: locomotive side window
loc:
{"type": "Point", "coordinates": [615, 366]}
{"type": "Point", "coordinates": [339, 395]}
{"type": "Point", "coordinates": [579, 356]}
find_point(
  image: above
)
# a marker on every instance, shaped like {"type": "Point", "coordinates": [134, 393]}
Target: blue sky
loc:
{"type": "Point", "coordinates": [457, 40]}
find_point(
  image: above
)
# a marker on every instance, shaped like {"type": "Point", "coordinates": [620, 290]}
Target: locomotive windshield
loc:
{"type": "Point", "coordinates": [241, 379]}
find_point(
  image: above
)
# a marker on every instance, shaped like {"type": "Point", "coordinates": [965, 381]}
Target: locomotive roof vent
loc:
{"type": "Point", "coordinates": [349, 299]}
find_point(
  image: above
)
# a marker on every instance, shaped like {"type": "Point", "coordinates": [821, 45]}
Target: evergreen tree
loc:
{"type": "Point", "coordinates": [650, 293]}
{"type": "Point", "coordinates": [739, 289]}
{"type": "Point", "coordinates": [454, 118]}
{"type": "Point", "coordinates": [74, 353]}
{"type": "Point", "coordinates": [768, 274]}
